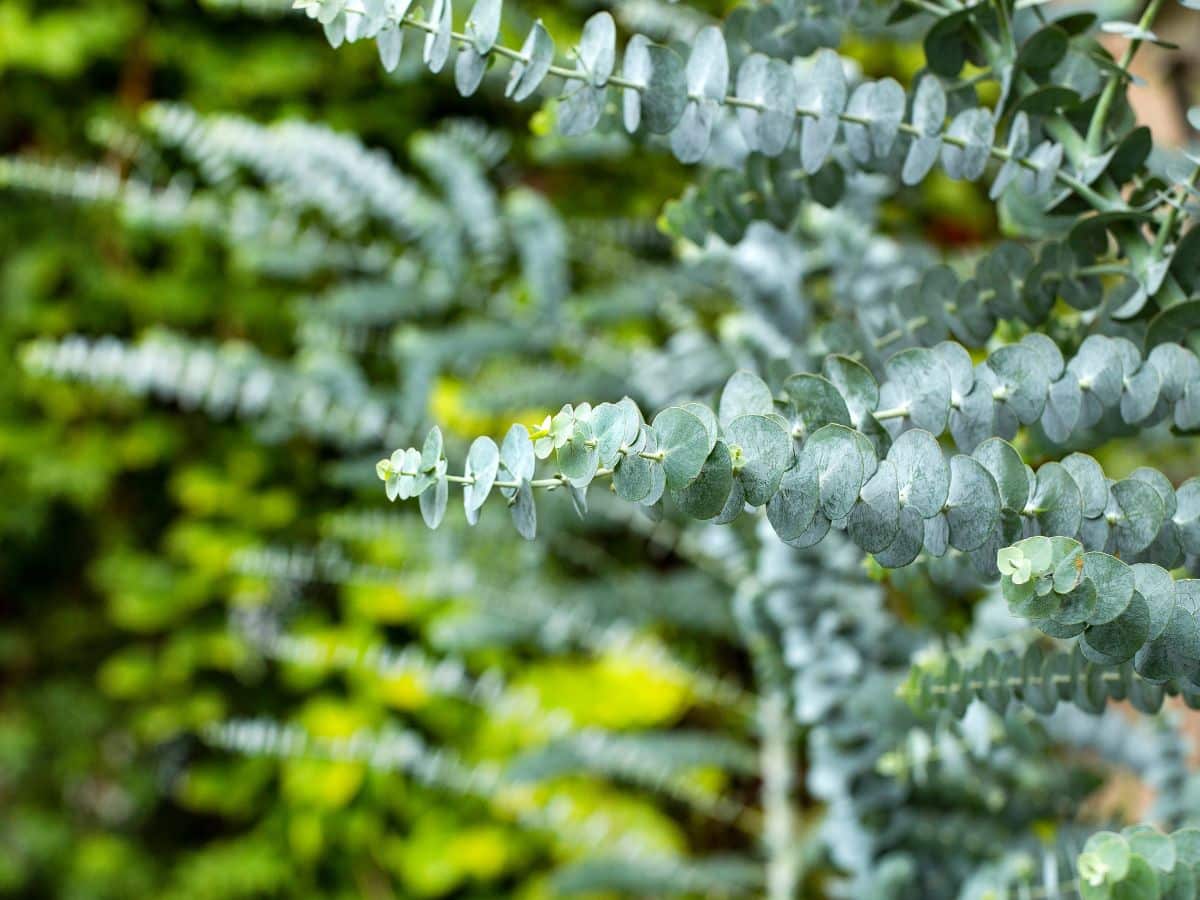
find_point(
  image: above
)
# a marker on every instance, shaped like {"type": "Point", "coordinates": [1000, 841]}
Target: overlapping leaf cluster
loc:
{"type": "Point", "coordinates": [823, 453]}
{"type": "Point", "coordinates": [1140, 862]}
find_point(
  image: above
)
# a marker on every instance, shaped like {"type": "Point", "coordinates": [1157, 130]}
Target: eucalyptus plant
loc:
{"type": "Point", "coordinates": [919, 493]}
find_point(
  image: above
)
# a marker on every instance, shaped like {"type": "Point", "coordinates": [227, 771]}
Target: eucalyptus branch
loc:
{"type": "Point", "coordinates": [661, 93]}
{"type": "Point", "coordinates": [1112, 87]}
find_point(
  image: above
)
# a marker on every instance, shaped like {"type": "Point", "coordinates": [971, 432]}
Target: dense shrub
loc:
{"type": "Point", "coordinates": [857, 539]}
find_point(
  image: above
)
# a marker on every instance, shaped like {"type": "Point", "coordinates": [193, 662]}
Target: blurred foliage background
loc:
{"type": "Point", "coordinates": [137, 538]}
{"type": "Point", "coordinates": [122, 518]}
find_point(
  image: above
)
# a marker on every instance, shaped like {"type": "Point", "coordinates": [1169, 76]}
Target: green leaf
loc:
{"type": "Point", "coordinates": [469, 69]}
{"type": "Point", "coordinates": [706, 496]}
{"type": "Point", "coordinates": [1142, 882]}
{"type": "Point", "coordinates": [945, 44]}
{"type": "Point", "coordinates": [1117, 641]}
{"type": "Point", "coordinates": [707, 77]}
{"type": "Point", "coordinates": [1105, 859]}
{"type": "Point", "coordinates": [815, 402]}
{"type": "Point", "coordinates": [919, 384]}
{"type": "Point", "coordinates": [768, 83]}
{"type": "Point", "coordinates": [928, 116]}
{"type": "Point", "coordinates": [609, 430]}
{"type": "Point", "coordinates": [855, 383]}
{"type": "Point", "coordinates": [874, 522]}
{"type": "Point", "coordinates": [975, 128]}
{"type": "Point", "coordinates": [973, 504]}
{"type": "Point", "coordinates": [910, 538]}
{"type": "Point", "coordinates": [1056, 502]}
{"type": "Point", "coordinates": [1157, 587]}
{"type": "Point", "coordinates": [1141, 515]}
{"type": "Point", "coordinates": [1022, 379]}
{"type": "Point", "coordinates": [708, 65]}
{"type": "Point", "coordinates": [1152, 845]}
{"type": "Point", "coordinates": [1044, 49]}
{"type": "Point", "coordinates": [437, 42]}
{"type": "Point", "coordinates": [525, 77]}
{"type": "Point", "coordinates": [633, 477]}
{"type": "Point", "coordinates": [708, 418]}
{"type": "Point", "coordinates": [524, 512]}
{"type": "Point", "coordinates": [1017, 148]}
{"type": "Point", "coordinates": [483, 25]}
{"type": "Point", "coordinates": [763, 453]}
{"type": "Point", "coordinates": [596, 54]}
{"type": "Point", "coordinates": [390, 42]}
{"type": "Point", "coordinates": [834, 454]}
{"type": "Point", "coordinates": [1068, 570]}
{"type": "Point", "coordinates": [882, 104]}
{"type": "Point", "coordinates": [580, 108]}
{"type": "Point", "coordinates": [823, 90]}
{"type": "Point", "coordinates": [1093, 486]}
{"type": "Point", "coordinates": [1114, 583]}
{"type": "Point", "coordinates": [921, 471]}
{"type": "Point", "coordinates": [685, 441]}
{"type": "Point", "coordinates": [792, 508]}
{"type": "Point", "coordinates": [744, 394]}
{"type": "Point", "coordinates": [433, 502]}
{"type": "Point", "coordinates": [483, 463]}
{"type": "Point", "coordinates": [516, 455]}
{"type": "Point", "coordinates": [1187, 515]}
{"type": "Point", "coordinates": [431, 452]}
{"type": "Point", "coordinates": [635, 68]}
{"type": "Point", "coordinates": [1007, 468]}
{"type": "Point", "coordinates": [1078, 605]}
{"type": "Point", "coordinates": [577, 460]}
{"type": "Point", "coordinates": [665, 96]}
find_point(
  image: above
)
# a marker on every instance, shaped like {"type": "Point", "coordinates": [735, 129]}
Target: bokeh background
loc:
{"type": "Point", "coordinates": [138, 537]}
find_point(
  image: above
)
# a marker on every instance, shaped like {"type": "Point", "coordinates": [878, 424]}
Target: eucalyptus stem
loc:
{"type": "Point", "coordinates": [1095, 132]}
{"type": "Point", "coordinates": [1168, 224]}
{"type": "Point", "coordinates": [777, 751]}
